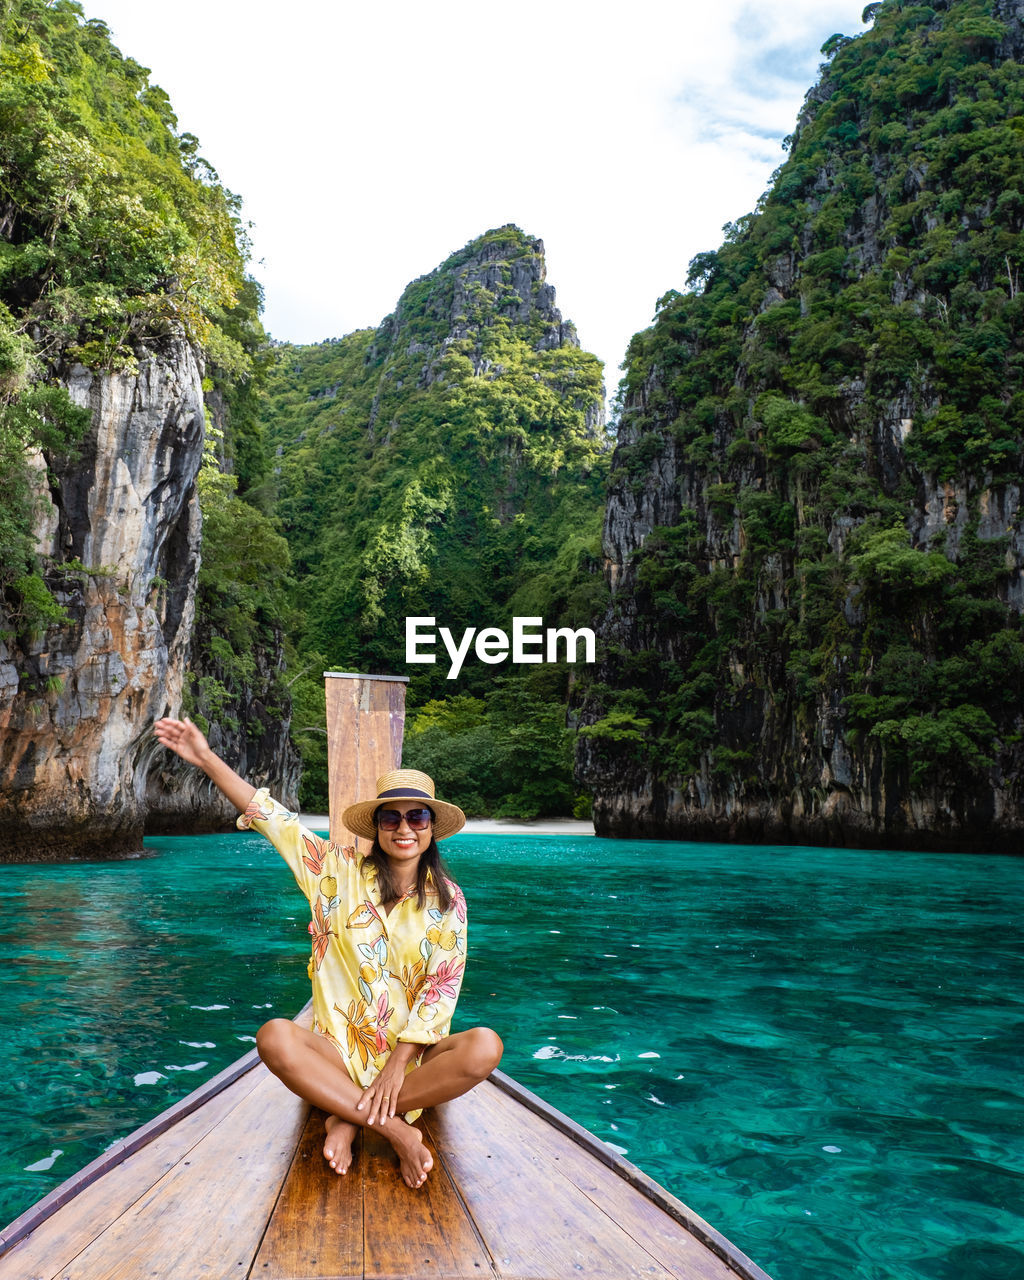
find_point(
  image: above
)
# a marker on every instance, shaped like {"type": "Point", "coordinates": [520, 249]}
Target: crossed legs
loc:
{"type": "Point", "coordinates": [311, 1067]}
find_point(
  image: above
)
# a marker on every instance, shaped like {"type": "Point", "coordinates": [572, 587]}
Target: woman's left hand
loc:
{"type": "Point", "coordinates": [380, 1099]}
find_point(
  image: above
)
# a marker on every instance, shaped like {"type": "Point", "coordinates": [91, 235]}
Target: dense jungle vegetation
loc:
{"type": "Point", "coordinates": [449, 464]}
{"type": "Point", "coordinates": [834, 401]}
{"type": "Point", "coordinates": [114, 234]}
{"type": "Point", "coordinates": [847, 365]}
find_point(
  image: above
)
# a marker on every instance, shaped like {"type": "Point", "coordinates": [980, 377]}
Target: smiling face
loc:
{"type": "Point", "coordinates": [403, 844]}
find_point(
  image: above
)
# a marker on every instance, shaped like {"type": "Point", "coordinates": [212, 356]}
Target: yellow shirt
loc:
{"type": "Point", "coordinates": [377, 979]}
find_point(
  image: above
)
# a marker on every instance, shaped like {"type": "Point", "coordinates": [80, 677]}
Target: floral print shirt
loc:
{"type": "Point", "coordinates": [377, 979]}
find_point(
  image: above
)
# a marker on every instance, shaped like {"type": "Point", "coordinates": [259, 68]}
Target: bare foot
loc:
{"type": "Point", "coordinates": [413, 1156]}
{"type": "Point", "coordinates": [338, 1146]}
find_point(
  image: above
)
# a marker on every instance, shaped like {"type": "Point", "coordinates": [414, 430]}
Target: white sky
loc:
{"type": "Point", "coordinates": [370, 140]}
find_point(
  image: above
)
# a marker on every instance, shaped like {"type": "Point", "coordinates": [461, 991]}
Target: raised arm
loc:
{"type": "Point", "coordinates": [184, 739]}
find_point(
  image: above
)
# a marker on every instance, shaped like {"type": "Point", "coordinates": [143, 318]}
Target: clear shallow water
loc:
{"type": "Point", "coordinates": [819, 1050]}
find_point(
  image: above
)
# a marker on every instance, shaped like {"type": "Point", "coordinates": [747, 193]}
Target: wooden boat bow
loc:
{"type": "Point", "coordinates": [231, 1182]}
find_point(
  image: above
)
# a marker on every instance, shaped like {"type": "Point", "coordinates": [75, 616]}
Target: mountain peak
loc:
{"type": "Point", "coordinates": [490, 290]}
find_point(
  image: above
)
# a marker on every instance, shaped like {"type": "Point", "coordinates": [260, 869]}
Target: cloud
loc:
{"type": "Point", "coordinates": [369, 141]}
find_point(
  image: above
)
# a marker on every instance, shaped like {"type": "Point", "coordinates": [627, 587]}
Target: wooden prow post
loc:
{"type": "Point", "coordinates": [365, 725]}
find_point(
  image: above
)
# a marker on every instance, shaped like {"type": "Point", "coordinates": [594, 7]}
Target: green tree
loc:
{"type": "Point", "coordinates": [853, 344]}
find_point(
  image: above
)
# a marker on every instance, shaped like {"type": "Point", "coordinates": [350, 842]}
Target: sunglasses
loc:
{"type": "Point", "coordinates": [391, 819]}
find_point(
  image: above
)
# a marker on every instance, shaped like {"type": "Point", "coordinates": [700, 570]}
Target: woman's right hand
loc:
{"type": "Point", "coordinates": [184, 739]}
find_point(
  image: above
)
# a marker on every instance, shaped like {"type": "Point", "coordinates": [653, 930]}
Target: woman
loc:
{"type": "Point", "coordinates": [389, 934]}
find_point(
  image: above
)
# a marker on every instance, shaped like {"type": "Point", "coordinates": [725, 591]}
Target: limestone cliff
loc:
{"type": "Point", "coordinates": [814, 531]}
{"type": "Point", "coordinates": [233, 685]}
{"type": "Point", "coordinates": [499, 281]}
{"type": "Point", "coordinates": [121, 253]}
{"type": "Point", "coordinates": [239, 699]}
{"type": "Point", "coordinates": [121, 531]}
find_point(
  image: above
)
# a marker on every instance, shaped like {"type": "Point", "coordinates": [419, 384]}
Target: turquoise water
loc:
{"type": "Point", "coordinates": [819, 1050]}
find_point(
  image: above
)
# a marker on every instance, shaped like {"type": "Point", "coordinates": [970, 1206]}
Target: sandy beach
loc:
{"type": "Point", "coordinates": [492, 826]}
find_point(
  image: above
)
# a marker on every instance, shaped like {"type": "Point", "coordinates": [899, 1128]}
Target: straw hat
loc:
{"type": "Point", "coordinates": [403, 784]}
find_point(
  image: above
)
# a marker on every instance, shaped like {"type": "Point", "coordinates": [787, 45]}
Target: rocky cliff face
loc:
{"type": "Point", "coordinates": [252, 734]}
{"type": "Point", "coordinates": [491, 287]}
{"type": "Point", "coordinates": [109, 264]}
{"type": "Point", "coordinates": [814, 526]}
{"type": "Point", "coordinates": [496, 285]}
{"type": "Point", "coordinates": [120, 527]}
{"type": "Point", "coordinates": [785, 768]}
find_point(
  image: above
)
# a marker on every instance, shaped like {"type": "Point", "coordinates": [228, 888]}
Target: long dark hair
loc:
{"type": "Point", "coordinates": [431, 864]}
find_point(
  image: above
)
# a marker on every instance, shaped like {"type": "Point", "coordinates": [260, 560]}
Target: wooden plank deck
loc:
{"type": "Point", "coordinates": [232, 1183]}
